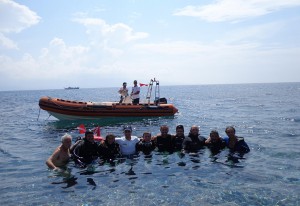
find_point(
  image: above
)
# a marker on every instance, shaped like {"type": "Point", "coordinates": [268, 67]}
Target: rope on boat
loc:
{"type": "Point", "coordinates": [39, 115]}
{"type": "Point", "coordinates": [49, 116]}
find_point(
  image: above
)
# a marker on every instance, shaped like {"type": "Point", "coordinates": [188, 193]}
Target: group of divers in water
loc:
{"type": "Point", "coordinates": [86, 151]}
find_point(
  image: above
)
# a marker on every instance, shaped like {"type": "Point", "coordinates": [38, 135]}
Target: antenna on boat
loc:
{"type": "Point", "coordinates": [39, 115]}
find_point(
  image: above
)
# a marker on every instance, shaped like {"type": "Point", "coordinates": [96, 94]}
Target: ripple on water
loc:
{"type": "Point", "coordinates": [269, 174]}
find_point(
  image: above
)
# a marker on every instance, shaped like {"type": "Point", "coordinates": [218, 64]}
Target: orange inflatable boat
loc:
{"type": "Point", "coordinates": [73, 110]}
{"type": "Point", "coordinates": [68, 110]}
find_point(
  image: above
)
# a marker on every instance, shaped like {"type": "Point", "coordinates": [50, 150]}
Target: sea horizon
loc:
{"type": "Point", "coordinates": [63, 88]}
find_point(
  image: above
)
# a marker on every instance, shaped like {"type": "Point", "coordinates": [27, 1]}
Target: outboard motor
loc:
{"type": "Point", "coordinates": [161, 101]}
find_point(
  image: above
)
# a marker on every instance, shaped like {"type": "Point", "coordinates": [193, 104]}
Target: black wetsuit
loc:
{"type": "Point", "coordinates": [193, 143]}
{"type": "Point", "coordinates": [215, 147]}
{"type": "Point", "coordinates": [145, 147]}
{"type": "Point", "coordinates": [178, 142]}
{"type": "Point", "coordinates": [240, 146]}
{"type": "Point", "coordinates": [109, 151]}
{"type": "Point", "coordinates": [85, 152]}
{"type": "Point", "coordinates": [165, 144]}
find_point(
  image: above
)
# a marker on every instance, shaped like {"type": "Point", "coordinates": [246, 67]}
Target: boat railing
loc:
{"type": "Point", "coordinates": [149, 92]}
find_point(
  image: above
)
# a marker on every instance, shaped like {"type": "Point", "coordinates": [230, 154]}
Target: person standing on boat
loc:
{"type": "Point", "coordinates": [135, 93]}
{"type": "Point", "coordinates": [60, 157]}
{"type": "Point", "coordinates": [235, 143]}
{"type": "Point", "coordinates": [127, 142]}
{"type": "Point", "coordinates": [123, 91]}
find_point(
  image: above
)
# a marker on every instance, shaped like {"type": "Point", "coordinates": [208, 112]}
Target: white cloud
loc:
{"type": "Point", "coordinates": [7, 43]}
{"type": "Point", "coordinates": [114, 35]}
{"type": "Point", "coordinates": [235, 10]}
{"type": "Point", "coordinates": [55, 62]}
{"type": "Point", "coordinates": [189, 48]}
{"type": "Point", "coordinates": [181, 62]}
{"type": "Point", "coordinates": [61, 51]}
{"type": "Point", "coordinates": [258, 34]}
{"type": "Point", "coordinates": [117, 52]}
{"type": "Point", "coordinates": [14, 18]}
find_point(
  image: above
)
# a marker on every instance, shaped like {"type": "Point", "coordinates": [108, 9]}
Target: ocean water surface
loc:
{"type": "Point", "coordinates": [266, 115]}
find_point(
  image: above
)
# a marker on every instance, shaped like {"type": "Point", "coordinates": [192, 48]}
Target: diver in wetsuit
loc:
{"type": "Point", "coordinates": [86, 150]}
{"type": "Point", "coordinates": [235, 143]}
{"type": "Point", "coordinates": [179, 137]}
{"type": "Point", "coordinates": [215, 143]}
{"type": "Point", "coordinates": [194, 141]}
{"type": "Point", "coordinates": [108, 149]}
{"type": "Point", "coordinates": [146, 145]}
{"type": "Point", "coordinates": [164, 141]}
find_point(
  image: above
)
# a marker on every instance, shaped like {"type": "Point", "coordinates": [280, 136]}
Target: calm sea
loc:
{"type": "Point", "coordinates": [266, 115]}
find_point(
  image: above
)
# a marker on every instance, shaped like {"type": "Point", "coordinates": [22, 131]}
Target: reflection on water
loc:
{"type": "Point", "coordinates": [142, 166]}
{"type": "Point", "coordinates": [114, 121]}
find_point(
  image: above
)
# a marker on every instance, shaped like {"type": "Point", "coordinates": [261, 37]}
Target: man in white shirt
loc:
{"type": "Point", "coordinates": [135, 93]}
{"type": "Point", "coordinates": [127, 143]}
{"type": "Point", "coordinates": [123, 91]}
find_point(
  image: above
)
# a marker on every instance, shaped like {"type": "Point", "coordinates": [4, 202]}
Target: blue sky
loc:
{"type": "Point", "coordinates": [94, 43]}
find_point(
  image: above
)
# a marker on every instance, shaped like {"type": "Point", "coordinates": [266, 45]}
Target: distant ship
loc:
{"type": "Point", "coordinates": [71, 87]}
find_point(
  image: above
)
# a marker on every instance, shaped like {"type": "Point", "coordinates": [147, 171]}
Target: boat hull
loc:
{"type": "Point", "coordinates": [73, 110]}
